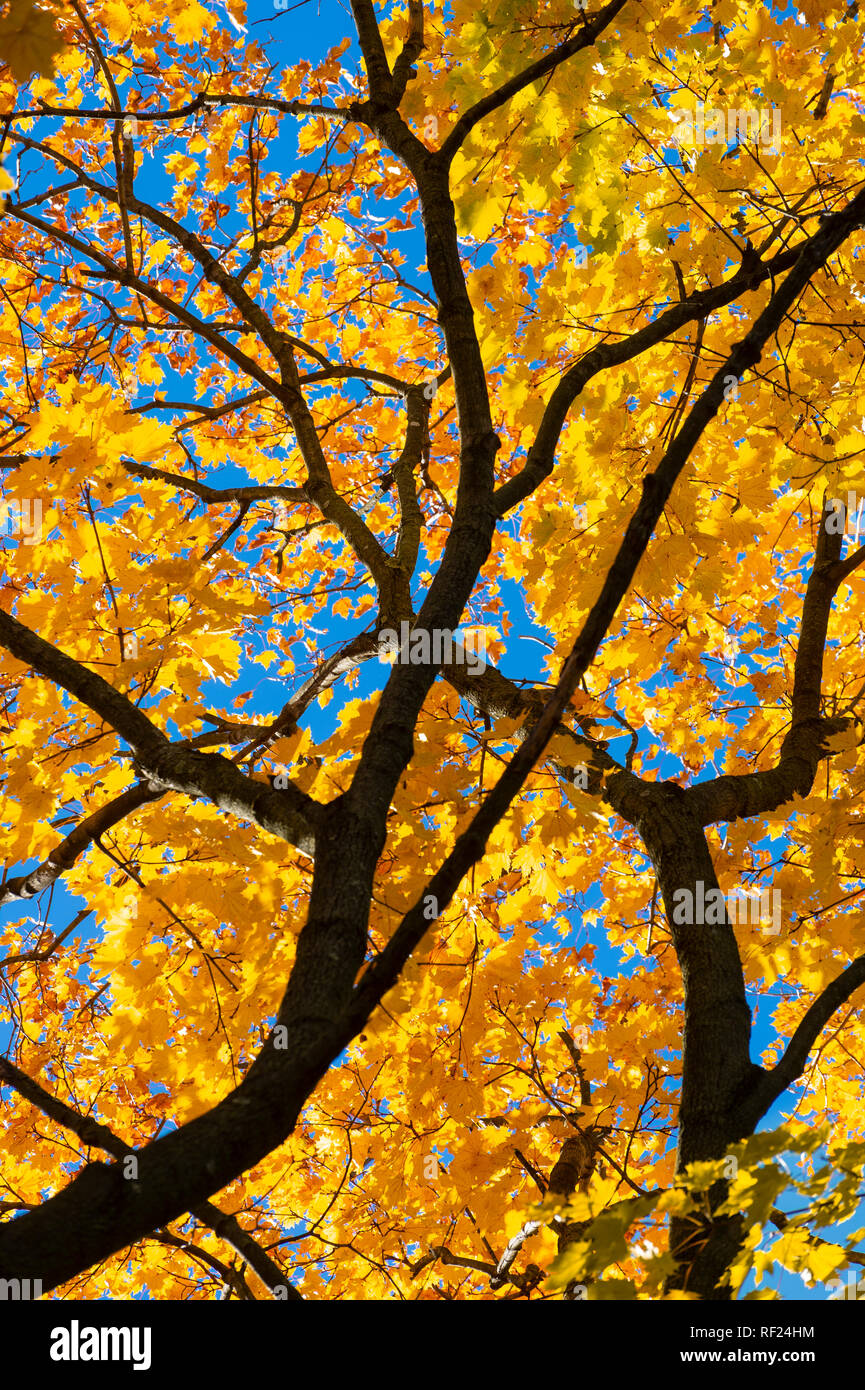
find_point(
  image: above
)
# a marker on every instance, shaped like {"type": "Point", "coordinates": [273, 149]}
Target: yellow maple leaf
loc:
{"type": "Point", "coordinates": [825, 1259]}
{"type": "Point", "coordinates": [28, 40]}
{"type": "Point", "coordinates": [190, 22]}
{"type": "Point", "coordinates": [117, 20]}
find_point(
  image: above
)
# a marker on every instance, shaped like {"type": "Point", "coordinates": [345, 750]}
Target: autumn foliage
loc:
{"type": "Point", "coordinates": [331, 975]}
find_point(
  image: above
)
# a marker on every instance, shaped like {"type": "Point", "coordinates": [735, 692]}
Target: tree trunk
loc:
{"type": "Point", "coordinates": [717, 1071]}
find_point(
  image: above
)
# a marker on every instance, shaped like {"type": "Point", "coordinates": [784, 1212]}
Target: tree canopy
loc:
{"type": "Point", "coordinates": [431, 649]}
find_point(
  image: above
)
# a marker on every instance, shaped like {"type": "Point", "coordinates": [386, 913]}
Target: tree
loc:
{"type": "Point", "coordinates": [420, 954]}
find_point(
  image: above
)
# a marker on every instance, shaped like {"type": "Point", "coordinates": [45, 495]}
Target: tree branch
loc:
{"type": "Point", "coordinates": [76, 842]}
{"type": "Point", "coordinates": [96, 1135]}
{"type": "Point", "coordinates": [202, 101]}
{"type": "Point", "coordinates": [541, 457]}
{"type": "Point", "coordinates": [258, 493]}
{"type": "Point", "coordinates": [288, 813]}
{"type": "Point", "coordinates": [732, 797]}
{"type": "Point", "coordinates": [770, 1085]}
{"type": "Point", "coordinates": [576, 44]}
